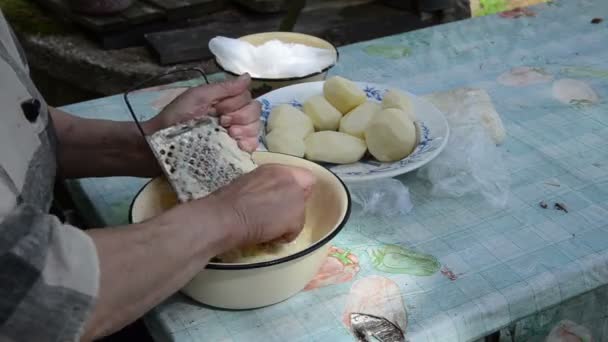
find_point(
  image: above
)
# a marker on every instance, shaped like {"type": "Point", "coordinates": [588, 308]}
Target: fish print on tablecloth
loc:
{"type": "Point", "coordinates": [568, 331]}
{"type": "Point", "coordinates": [574, 92]}
{"type": "Point", "coordinates": [376, 296]}
{"type": "Point", "coordinates": [368, 328]}
{"type": "Point", "coordinates": [522, 76]}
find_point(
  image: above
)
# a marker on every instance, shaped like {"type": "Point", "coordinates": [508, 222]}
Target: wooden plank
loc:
{"type": "Point", "coordinates": [179, 46]}
{"type": "Point", "coordinates": [141, 12]}
{"type": "Point", "coordinates": [191, 44]}
{"type": "Point", "coordinates": [196, 8]}
{"type": "Point", "coordinates": [134, 36]}
{"type": "Point", "coordinates": [138, 13]}
{"type": "Point", "coordinates": [101, 24]}
{"type": "Point", "coordinates": [97, 24]}
{"type": "Point", "coordinates": [184, 9]}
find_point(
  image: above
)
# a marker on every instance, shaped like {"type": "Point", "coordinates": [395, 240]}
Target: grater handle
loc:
{"type": "Point", "coordinates": [150, 80]}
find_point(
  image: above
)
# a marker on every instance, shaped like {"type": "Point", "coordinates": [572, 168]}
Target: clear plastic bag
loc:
{"type": "Point", "coordinates": [383, 197]}
{"type": "Point", "coordinates": [471, 163]}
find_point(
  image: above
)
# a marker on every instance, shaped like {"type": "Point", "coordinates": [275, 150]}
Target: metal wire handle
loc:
{"type": "Point", "coordinates": [150, 80]}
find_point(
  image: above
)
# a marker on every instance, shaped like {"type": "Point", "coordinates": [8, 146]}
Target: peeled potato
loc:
{"type": "Point", "coordinates": [282, 140]}
{"type": "Point", "coordinates": [343, 94]}
{"type": "Point", "coordinates": [334, 147]}
{"type": "Point", "coordinates": [390, 135]}
{"type": "Point", "coordinates": [399, 100]}
{"type": "Point", "coordinates": [356, 120]}
{"type": "Point", "coordinates": [285, 115]}
{"type": "Point", "coordinates": [322, 114]}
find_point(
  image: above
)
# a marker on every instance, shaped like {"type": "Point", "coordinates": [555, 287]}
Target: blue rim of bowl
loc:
{"type": "Point", "coordinates": [285, 79]}
{"type": "Point", "coordinates": [304, 252]}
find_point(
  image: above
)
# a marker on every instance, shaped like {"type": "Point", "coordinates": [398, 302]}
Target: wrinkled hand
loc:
{"type": "Point", "coordinates": [264, 205]}
{"type": "Point", "coordinates": [230, 100]}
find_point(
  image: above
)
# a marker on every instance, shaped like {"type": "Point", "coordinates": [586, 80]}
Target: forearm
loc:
{"type": "Point", "coordinates": [143, 264]}
{"type": "Point", "coordinates": [98, 148]}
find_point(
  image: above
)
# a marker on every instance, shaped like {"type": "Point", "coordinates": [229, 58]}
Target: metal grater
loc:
{"type": "Point", "coordinates": [197, 156]}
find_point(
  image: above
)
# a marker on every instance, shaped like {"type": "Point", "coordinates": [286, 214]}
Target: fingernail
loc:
{"type": "Point", "coordinates": [225, 120]}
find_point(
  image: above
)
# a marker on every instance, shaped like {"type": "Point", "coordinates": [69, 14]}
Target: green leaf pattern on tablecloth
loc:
{"type": "Point", "coordinates": [398, 259]}
{"type": "Point", "coordinates": [388, 51]}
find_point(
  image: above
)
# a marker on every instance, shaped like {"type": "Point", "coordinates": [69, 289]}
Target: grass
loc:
{"type": "Point", "coordinates": [487, 7]}
{"type": "Point", "coordinates": [491, 6]}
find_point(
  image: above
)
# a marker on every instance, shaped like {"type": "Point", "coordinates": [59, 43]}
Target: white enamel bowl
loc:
{"type": "Point", "coordinates": [253, 285]}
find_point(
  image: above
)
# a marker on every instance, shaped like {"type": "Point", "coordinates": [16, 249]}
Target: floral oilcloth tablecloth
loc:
{"type": "Point", "coordinates": [458, 269]}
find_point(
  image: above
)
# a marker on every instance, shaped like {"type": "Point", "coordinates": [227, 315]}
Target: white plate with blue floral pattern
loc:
{"type": "Point", "coordinates": [432, 127]}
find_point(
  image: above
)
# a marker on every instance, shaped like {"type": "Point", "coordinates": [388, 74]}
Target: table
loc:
{"type": "Point", "coordinates": [523, 268]}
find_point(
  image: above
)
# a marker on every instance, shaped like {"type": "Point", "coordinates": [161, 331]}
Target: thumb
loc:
{"type": "Point", "coordinates": [218, 91]}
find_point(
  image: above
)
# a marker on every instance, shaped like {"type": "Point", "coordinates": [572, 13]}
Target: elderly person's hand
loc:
{"type": "Point", "coordinates": [230, 100]}
{"type": "Point", "coordinates": [267, 204]}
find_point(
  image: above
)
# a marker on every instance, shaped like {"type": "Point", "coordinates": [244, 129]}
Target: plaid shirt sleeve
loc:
{"type": "Point", "coordinates": [49, 277]}
{"type": "Point", "coordinates": [49, 271]}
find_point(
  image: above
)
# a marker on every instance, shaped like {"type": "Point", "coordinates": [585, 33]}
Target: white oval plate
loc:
{"type": "Point", "coordinates": [433, 130]}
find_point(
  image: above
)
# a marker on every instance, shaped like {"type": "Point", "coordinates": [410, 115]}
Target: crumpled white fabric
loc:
{"type": "Point", "coordinates": [273, 59]}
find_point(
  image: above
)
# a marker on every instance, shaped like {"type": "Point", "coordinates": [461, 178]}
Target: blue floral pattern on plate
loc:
{"type": "Point", "coordinates": [432, 131]}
